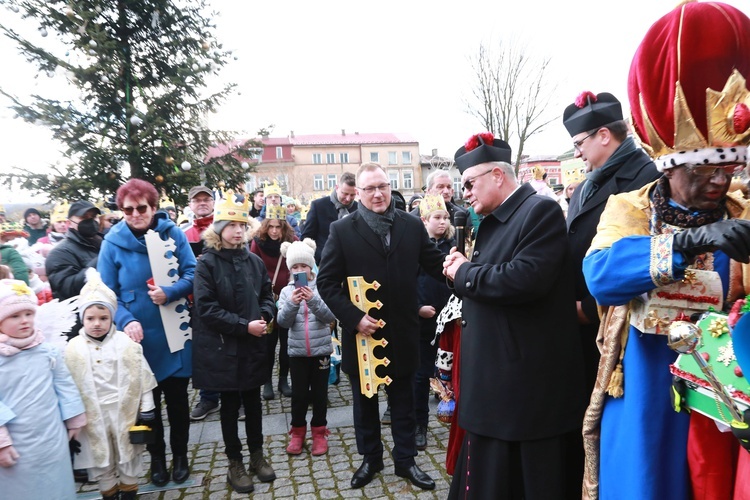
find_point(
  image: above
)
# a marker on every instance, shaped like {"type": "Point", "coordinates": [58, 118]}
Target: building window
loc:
{"type": "Point", "coordinates": [392, 158]}
{"type": "Point", "coordinates": [457, 186]}
{"type": "Point", "coordinates": [406, 157]}
{"type": "Point", "coordinates": [393, 177]}
{"type": "Point", "coordinates": [375, 157]}
{"type": "Point", "coordinates": [330, 157]}
{"type": "Point", "coordinates": [408, 179]}
{"type": "Point", "coordinates": [279, 152]}
{"type": "Point", "coordinates": [331, 181]}
{"type": "Point", "coordinates": [318, 182]}
{"type": "Point", "coordinates": [317, 158]}
{"type": "Point", "coordinates": [344, 157]}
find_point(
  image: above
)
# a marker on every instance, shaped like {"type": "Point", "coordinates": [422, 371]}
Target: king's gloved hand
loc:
{"type": "Point", "coordinates": [741, 430]}
{"type": "Point", "coordinates": [730, 236]}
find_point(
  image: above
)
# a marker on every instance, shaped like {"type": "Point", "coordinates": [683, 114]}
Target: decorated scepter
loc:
{"type": "Point", "coordinates": [369, 381]}
{"type": "Point", "coordinates": [684, 338]}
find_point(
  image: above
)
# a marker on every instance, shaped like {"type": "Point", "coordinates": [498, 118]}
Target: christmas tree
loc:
{"type": "Point", "coordinates": [143, 70]}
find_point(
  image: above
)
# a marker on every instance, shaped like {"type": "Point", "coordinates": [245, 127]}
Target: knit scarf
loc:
{"type": "Point", "coordinates": [342, 209]}
{"type": "Point", "coordinates": [596, 178]}
{"type": "Point", "coordinates": [10, 346]}
{"type": "Point", "coordinates": [270, 247]}
{"type": "Point", "coordinates": [667, 213]}
{"type": "Point", "coordinates": [379, 223]}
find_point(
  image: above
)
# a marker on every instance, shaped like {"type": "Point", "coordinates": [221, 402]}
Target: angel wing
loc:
{"type": "Point", "coordinates": [55, 319]}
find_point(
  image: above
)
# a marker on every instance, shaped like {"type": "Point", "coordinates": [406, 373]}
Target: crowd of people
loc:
{"type": "Point", "coordinates": [543, 323]}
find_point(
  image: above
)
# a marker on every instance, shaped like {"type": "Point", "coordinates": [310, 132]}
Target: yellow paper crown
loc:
{"type": "Point", "coordinates": [270, 189]}
{"type": "Point", "coordinates": [230, 210]}
{"type": "Point", "coordinates": [60, 212]}
{"type": "Point", "coordinates": [431, 203]}
{"type": "Point", "coordinates": [164, 202]}
{"type": "Point", "coordinates": [277, 212]}
{"type": "Point", "coordinates": [538, 172]}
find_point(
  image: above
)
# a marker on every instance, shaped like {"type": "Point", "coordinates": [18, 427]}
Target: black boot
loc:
{"type": "Point", "coordinates": [284, 388]}
{"type": "Point", "coordinates": [159, 474]}
{"type": "Point", "coordinates": [180, 469]}
{"type": "Point", "coordinates": [268, 391]}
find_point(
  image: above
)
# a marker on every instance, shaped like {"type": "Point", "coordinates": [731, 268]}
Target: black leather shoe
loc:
{"type": "Point", "coordinates": [417, 477]}
{"type": "Point", "coordinates": [159, 474]}
{"type": "Point", "coordinates": [180, 469]}
{"type": "Point", "coordinates": [366, 472]}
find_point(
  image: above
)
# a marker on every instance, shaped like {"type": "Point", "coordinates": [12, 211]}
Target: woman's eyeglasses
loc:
{"type": "Point", "coordinates": [129, 210]}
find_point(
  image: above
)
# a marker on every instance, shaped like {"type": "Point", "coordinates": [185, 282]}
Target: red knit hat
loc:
{"type": "Point", "coordinates": [687, 89]}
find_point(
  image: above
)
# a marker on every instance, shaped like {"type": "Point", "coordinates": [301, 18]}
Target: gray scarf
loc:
{"type": "Point", "coordinates": [380, 223]}
{"type": "Point", "coordinates": [596, 178]}
{"type": "Point", "coordinates": [342, 209]}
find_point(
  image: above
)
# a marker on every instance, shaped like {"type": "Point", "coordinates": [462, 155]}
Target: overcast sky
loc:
{"type": "Point", "coordinates": [386, 66]}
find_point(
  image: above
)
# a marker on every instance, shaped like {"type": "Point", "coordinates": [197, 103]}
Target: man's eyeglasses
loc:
{"type": "Point", "coordinates": [202, 200]}
{"type": "Point", "coordinates": [469, 183]}
{"type": "Point", "coordinates": [129, 210]}
{"type": "Point", "coordinates": [383, 188]}
{"type": "Point", "coordinates": [712, 170]}
{"type": "Point", "coordinates": [579, 143]}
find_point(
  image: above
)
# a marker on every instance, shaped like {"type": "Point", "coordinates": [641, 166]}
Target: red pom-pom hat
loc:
{"type": "Point", "coordinates": [481, 148]}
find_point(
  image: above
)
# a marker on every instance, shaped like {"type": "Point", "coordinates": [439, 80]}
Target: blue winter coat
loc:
{"type": "Point", "coordinates": [124, 266]}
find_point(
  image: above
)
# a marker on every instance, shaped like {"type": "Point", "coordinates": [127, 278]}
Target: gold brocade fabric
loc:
{"type": "Point", "coordinates": [628, 214]}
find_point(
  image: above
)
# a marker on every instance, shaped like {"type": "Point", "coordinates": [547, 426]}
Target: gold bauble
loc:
{"type": "Point", "coordinates": [159, 179]}
{"type": "Point", "coordinates": [169, 160]}
{"type": "Point", "coordinates": [205, 45]}
{"type": "Point", "coordinates": [112, 175]}
{"type": "Point", "coordinates": [221, 184]}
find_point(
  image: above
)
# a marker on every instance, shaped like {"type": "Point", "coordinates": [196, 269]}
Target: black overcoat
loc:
{"type": "Point", "coordinates": [231, 288]}
{"type": "Point", "coordinates": [637, 171]}
{"type": "Point", "coordinates": [353, 249]}
{"type": "Point", "coordinates": [322, 213]}
{"type": "Point", "coordinates": [521, 361]}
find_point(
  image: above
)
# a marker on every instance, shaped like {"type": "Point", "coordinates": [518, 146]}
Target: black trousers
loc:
{"type": "Point", "coordinates": [229, 412]}
{"type": "Point", "coordinates": [281, 336]}
{"type": "Point", "coordinates": [367, 421]}
{"type": "Point", "coordinates": [509, 470]}
{"type": "Point", "coordinates": [427, 354]}
{"type": "Point", "coordinates": [175, 391]}
{"type": "Point", "coordinates": [309, 383]}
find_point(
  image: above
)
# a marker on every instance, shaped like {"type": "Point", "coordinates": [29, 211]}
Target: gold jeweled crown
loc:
{"type": "Point", "coordinates": [230, 210]}
{"type": "Point", "coordinates": [60, 212]}
{"type": "Point", "coordinates": [431, 203]}
{"type": "Point", "coordinates": [277, 212]}
{"type": "Point", "coordinates": [271, 188]}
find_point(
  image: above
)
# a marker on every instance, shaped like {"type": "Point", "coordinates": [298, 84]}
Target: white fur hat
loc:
{"type": "Point", "coordinates": [15, 296]}
{"type": "Point", "coordinates": [96, 292]}
{"type": "Point", "coordinates": [299, 252]}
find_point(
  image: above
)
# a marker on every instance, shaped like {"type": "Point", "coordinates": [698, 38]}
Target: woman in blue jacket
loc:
{"type": "Point", "coordinates": [125, 268]}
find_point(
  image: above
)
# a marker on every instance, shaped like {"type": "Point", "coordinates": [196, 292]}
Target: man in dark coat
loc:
{"type": "Point", "coordinates": [324, 211]}
{"type": "Point", "coordinates": [385, 245]}
{"type": "Point", "coordinates": [615, 165]}
{"type": "Point", "coordinates": [522, 385]}
{"type": "Point", "coordinates": [67, 262]}
{"type": "Point", "coordinates": [440, 182]}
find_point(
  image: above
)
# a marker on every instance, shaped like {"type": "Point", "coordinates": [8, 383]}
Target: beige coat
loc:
{"type": "Point", "coordinates": [134, 379]}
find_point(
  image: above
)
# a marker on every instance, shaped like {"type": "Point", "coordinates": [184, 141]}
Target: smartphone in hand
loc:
{"type": "Point", "coordinates": [300, 280]}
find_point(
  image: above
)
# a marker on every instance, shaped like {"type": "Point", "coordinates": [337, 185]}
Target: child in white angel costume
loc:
{"type": "Point", "coordinates": [115, 381]}
{"type": "Point", "coordinates": [40, 407]}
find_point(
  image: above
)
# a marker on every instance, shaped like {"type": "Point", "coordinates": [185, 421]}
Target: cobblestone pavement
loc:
{"type": "Point", "coordinates": [302, 476]}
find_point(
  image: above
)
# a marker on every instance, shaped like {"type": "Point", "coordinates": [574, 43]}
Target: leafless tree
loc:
{"type": "Point", "coordinates": [511, 93]}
